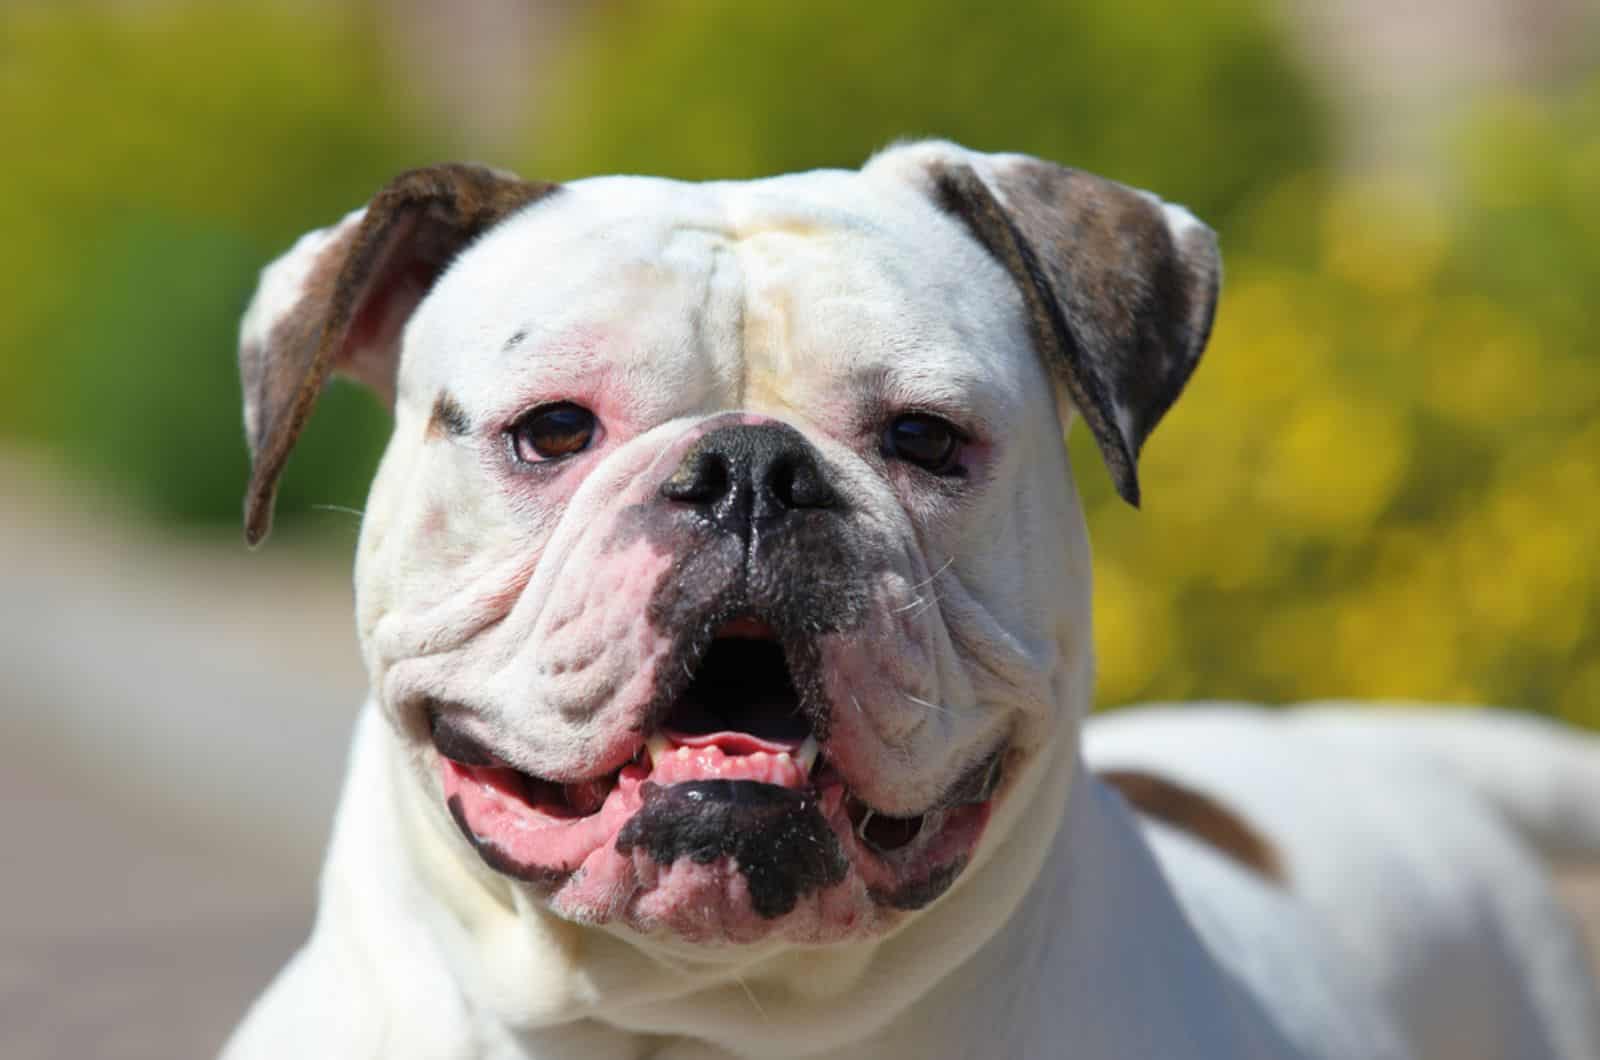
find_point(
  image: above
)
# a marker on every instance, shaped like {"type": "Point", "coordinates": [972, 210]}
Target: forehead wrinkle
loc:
{"type": "Point", "coordinates": [758, 270]}
{"type": "Point", "coordinates": [671, 319]}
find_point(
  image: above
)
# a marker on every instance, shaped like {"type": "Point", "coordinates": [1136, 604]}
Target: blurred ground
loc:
{"type": "Point", "coordinates": [176, 716]}
{"type": "Point", "coordinates": [1580, 886]}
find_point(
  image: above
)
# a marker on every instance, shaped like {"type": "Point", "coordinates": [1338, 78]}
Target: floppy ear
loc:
{"type": "Point", "coordinates": [1120, 287]}
{"type": "Point", "coordinates": [339, 300]}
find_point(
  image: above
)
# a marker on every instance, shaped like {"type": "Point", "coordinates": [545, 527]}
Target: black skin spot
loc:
{"type": "Point", "coordinates": [977, 784]}
{"type": "Point", "coordinates": [546, 880]}
{"type": "Point", "coordinates": [776, 836]}
{"type": "Point", "coordinates": [514, 341]}
{"type": "Point", "coordinates": [919, 893]}
{"type": "Point", "coordinates": [456, 745]}
{"type": "Point", "coordinates": [450, 417]}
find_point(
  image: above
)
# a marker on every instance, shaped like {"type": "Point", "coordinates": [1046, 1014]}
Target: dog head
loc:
{"type": "Point", "coordinates": [724, 576]}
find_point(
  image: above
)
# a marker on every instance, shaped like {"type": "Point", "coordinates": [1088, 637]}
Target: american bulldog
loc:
{"type": "Point", "coordinates": [725, 597]}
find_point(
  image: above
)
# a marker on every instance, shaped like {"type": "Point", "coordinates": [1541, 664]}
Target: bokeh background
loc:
{"type": "Point", "coordinates": [1384, 480]}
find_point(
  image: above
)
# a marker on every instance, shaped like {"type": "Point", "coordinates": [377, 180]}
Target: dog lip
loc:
{"type": "Point", "coordinates": [456, 744]}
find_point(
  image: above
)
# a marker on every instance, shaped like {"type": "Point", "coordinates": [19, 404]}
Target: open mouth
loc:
{"type": "Point", "coordinates": [735, 770]}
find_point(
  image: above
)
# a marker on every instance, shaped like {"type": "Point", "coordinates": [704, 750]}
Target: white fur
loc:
{"type": "Point", "coordinates": [1415, 924]}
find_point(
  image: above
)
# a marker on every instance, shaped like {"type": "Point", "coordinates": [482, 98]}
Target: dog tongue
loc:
{"type": "Point", "coordinates": [587, 797]}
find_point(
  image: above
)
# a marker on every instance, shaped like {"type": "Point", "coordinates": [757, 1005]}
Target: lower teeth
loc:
{"type": "Point", "coordinates": [882, 832]}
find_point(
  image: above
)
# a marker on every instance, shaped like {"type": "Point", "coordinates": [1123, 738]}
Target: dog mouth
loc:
{"type": "Point", "coordinates": [733, 772]}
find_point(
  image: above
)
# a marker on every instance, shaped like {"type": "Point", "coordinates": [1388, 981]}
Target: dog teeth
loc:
{"type": "Point", "coordinates": [659, 747]}
{"type": "Point", "coordinates": [807, 754]}
{"type": "Point", "coordinates": [861, 828]}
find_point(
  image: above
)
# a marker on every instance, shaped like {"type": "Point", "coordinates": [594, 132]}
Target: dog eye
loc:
{"type": "Point", "coordinates": [926, 441]}
{"type": "Point", "coordinates": [551, 432]}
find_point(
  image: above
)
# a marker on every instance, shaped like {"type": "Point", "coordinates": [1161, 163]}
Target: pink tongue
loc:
{"type": "Point", "coordinates": [588, 797]}
{"type": "Point", "coordinates": [734, 743]}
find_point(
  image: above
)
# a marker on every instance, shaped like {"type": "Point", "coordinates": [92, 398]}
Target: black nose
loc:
{"type": "Point", "coordinates": [749, 477]}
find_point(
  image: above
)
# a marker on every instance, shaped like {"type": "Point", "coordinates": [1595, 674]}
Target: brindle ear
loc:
{"type": "Point", "coordinates": [339, 300]}
{"type": "Point", "coordinates": [1120, 287]}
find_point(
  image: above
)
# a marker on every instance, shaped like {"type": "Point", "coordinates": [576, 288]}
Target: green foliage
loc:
{"type": "Point", "coordinates": [1384, 480]}
{"type": "Point", "coordinates": [157, 419]}
{"type": "Point", "coordinates": [162, 157]}
{"type": "Point", "coordinates": [1143, 91]}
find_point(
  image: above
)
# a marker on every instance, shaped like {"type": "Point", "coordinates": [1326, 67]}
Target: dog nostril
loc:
{"type": "Point", "coordinates": [701, 480]}
{"type": "Point", "coordinates": [796, 483]}
{"type": "Point", "coordinates": [747, 476]}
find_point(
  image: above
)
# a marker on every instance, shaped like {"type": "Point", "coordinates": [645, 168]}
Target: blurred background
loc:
{"type": "Point", "coordinates": [1384, 480]}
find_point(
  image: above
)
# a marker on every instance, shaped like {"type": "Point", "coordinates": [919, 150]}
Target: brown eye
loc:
{"type": "Point", "coordinates": [926, 441]}
{"type": "Point", "coordinates": [551, 432]}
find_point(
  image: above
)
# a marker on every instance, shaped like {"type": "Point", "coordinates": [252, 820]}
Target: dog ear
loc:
{"type": "Point", "coordinates": [339, 300]}
{"type": "Point", "coordinates": [1120, 288]}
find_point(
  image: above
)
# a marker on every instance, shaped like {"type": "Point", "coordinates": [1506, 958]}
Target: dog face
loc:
{"type": "Point", "coordinates": [723, 576]}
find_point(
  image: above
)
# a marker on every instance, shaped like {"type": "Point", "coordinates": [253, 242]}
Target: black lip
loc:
{"type": "Point", "coordinates": [456, 744]}
{"type": "Point", "coordinates": [915, 894]}
{"type": "Point", "coordinates": [776, 836]}
{"type": "Point", "coordinates": [496, 859]}
{"type": "Point", "coordinates": [977, 784]}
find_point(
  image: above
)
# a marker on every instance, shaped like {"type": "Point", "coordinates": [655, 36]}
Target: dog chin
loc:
{"type": "Point", "coordinates": [729, 823]}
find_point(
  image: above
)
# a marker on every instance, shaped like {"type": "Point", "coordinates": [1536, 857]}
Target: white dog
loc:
{"type": "Point", "coordinates": [725, 596]}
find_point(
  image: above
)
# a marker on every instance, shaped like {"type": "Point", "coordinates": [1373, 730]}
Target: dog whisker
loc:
{"type": "Point", "coordinates": [916, 601]}
{"type": "Point", "coordinates": [924, 703]}
{"type": "Point", "coordinates": [921, 603]}
{"type": "Point", "coordinates": [340, 508]}
{"type": "Point", "coordinates": [929, 579]}
{"type": "Point", "coordinates": [751, 994]}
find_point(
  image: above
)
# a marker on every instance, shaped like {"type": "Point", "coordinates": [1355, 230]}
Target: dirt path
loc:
{"type": "Point", "coordinates": [175, 714]}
